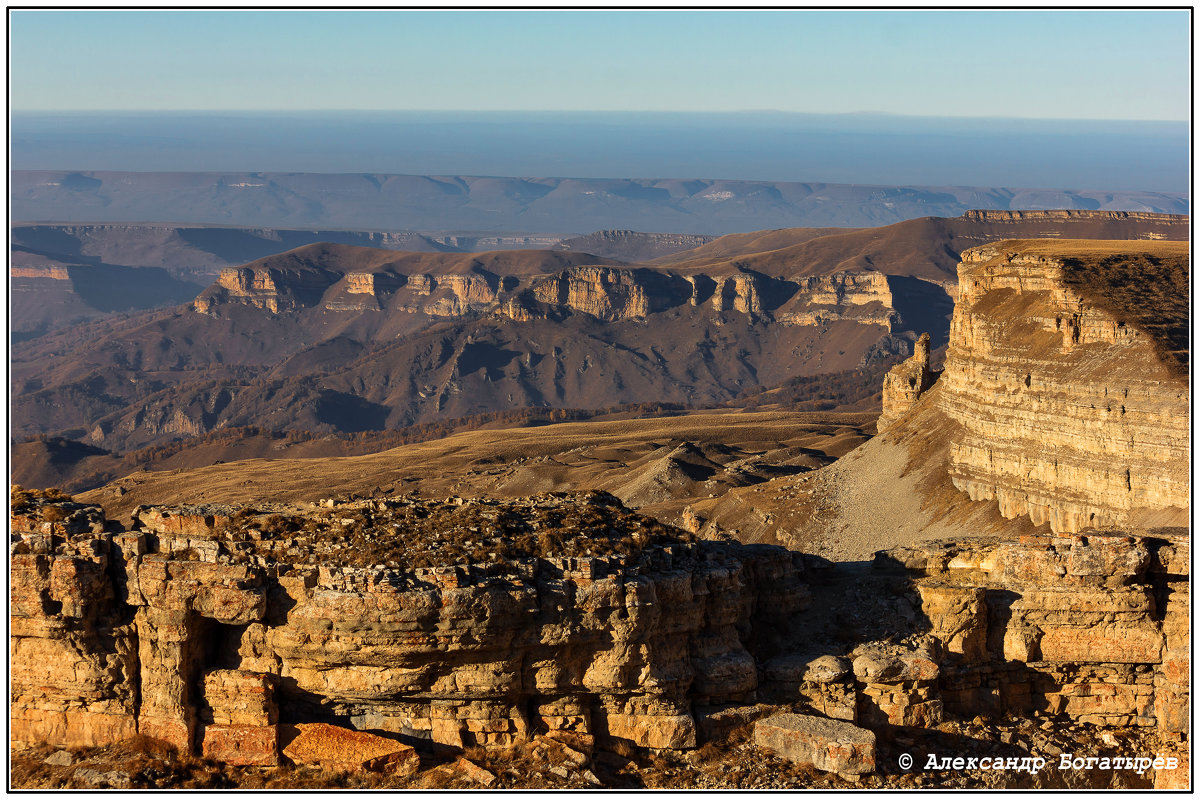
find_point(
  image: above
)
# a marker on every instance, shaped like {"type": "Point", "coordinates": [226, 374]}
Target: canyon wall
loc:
{"type": "Point", "coordinates": [608, 293]}
{"type": "Point", "coordinates": [1066, 374]}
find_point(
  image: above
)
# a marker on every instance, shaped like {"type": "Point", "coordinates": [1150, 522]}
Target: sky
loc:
{"type": "Point", "coordinates": [1047, 64]}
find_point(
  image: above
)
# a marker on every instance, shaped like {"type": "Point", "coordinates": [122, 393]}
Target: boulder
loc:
{"type": "Point", "coordinates": [826, 744]}
{"type": "Point", "coordinates": [242, 745]}
{"type": "Point", "coordinates": [334, 748]}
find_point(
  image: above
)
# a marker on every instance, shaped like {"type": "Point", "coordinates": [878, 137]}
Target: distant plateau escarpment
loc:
{"type": "Point", "coordinates": [497, 204]}
{"type": "Point", "coordinates": [331, 338]}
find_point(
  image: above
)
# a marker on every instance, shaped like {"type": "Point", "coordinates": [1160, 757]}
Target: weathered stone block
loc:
{"type": "Point", "coordinates": [242, 745]}
{"type": "Point", "coordinates": [175, 732]}
{"type": "Point", "coordinates": [825, 744]}
{"type": "Point", "coordinates": [881, 664]}
{"type": "Point", "coordinates": [240, 698]}
{"type": "Point", "coordinates": [1118, 644]}
{"type": "Point", "coordinates": [334, 748]}
{"type": "Point", "coordinates": [674, 732]}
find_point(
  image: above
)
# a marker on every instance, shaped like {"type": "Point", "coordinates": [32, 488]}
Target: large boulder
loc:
{"type": "Point", "coordinates": [826, 744]}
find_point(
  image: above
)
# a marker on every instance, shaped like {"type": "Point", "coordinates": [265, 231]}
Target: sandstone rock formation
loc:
{"type": "Point", "coordinates": [905, 383]}
{"type": "Point", "coordinates": [1063, 402]}
{"type": "Point", "coordinates": [608, 291]}
{"type": "Point", "coordinates": [633, 245]}
{"type": "Point", "coordinates": [197, 635]}
{"type": "Point", "coordinates": [216, 631]}
{"type": "Point", "coordinates": [1070, 394]}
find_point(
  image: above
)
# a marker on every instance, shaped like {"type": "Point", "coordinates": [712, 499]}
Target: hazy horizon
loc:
{"type": "Point", "coordinates": [864, 148]}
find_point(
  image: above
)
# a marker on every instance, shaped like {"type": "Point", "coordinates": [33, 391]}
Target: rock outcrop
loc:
{"type": "Point", "coordinates": [607, 291]}
{"type": "Point", "coordinates": [905, 383]}
{"type": "Point", "coordinates": [1112, 224]}
{"type": "Point", "coordinates": [1067, 374]}
{"type": "Point", "coordinates": [1085, 627]}
{"type": "Point", "coordinates": [208, 634]}
{"type": "Point", "coordinates": [633, 245]}
{"type": "Point", "coordinates": [227, 633]}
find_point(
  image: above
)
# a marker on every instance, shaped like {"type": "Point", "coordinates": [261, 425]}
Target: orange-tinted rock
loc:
{"type": "Point", "coordinates": [242, 745]}
{"type": "Point", "coordinates": [240, 698]}
{"type": "Point", "coordinates": [475, 773]}
{"type": "Point", "coordinates": [674, 732]}
{"type": "Point", "coordinates": [905, 383]}
{"type": "Point", "coordinates": [334, 748]}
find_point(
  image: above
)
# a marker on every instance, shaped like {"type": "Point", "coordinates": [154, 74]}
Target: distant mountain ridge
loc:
{"type": "Point", "coordinates": [340, 338]}
{"type": "Point", "coordinates": [430, 202]}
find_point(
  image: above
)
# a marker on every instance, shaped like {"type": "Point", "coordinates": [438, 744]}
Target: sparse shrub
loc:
{"type": "Point", "coordinates": [624, 748]}
{"type": "Point", "coordinates": [53, 513]}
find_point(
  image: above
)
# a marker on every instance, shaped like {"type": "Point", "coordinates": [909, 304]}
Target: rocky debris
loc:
{"type": "Point", "coordinates": [60, 758]}
{"type": "Point", "coordinates": [828, 745]}
{"type": "Point", "coordinates": [95, 779]}
{"type": "Point", "coordinates": [404, 532]}
{"type": "Point", "coordinates": [335, 748]}
{"type": "Point", "coordinates": [475, 773]}
{"type": "Point", "coordinates": [557, 751]}
{"type": "Point", "coordinates": [733, 762]}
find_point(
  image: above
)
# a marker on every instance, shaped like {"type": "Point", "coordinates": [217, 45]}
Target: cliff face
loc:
{"type": "Point", "coordinates": [1063, 401]}
{"type": "Point", "coordinates": [1093, 628]}
{"type": "Point", "coordinates": [1157, 226]}
{"type": "Point", "coordinates": [1073, 409]}
{"type": "Point", "coordinates": [633, 245]}
{"type": "Point", "coordinates": [905, 383]}
{"type": "Point", "coordinates": [609, 293]}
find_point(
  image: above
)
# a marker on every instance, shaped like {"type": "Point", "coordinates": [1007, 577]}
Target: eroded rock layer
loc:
{"type": "Point", "coordinates": [905, 383]}
{"type": "Point", "coordinates": [1067, 374]}
{"type": "Point", "coordinates": [154, 630]}
{"type": "Point", "coordinates": [212, 628]}
{"type": "Point", "coordinates": [454, 286]}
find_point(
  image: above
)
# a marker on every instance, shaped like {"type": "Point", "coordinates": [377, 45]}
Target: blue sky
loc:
{"type": "Point", "coordinates": [1072, 64]}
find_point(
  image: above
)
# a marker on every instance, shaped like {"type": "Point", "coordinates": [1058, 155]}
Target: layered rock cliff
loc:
{"type": "Point", "coordinates": [905, 383]}
{"type": "Point", "coordinates": [323, 278]}
{"type": "Point", "coordinates": [633, 245]}
{"type": "Point", "coordinates": [1063, 402]}
{"type": "Point", "coordinates": [1067, 374]}
{"type": "Point", "coordinates": [1155, 226]}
